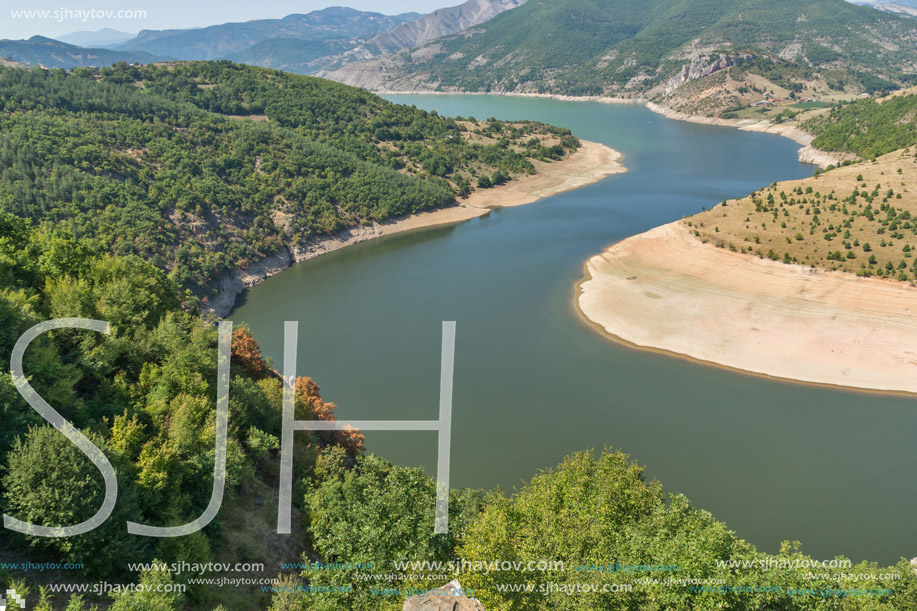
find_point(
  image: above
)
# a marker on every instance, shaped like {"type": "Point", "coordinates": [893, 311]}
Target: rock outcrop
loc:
{"type": "Point", "coordinates": [450, 597]}
{"type": "Point", "coordinates": [366, 65]}
{"type": "Point", "coordinates": [442, 22]}
{"type": "Point", "coordinates": [700, 67]}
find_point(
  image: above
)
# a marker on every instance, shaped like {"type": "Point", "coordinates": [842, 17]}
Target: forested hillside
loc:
{"type": "Point", "coordinates": [145, 395]}
{"type": "Point", "coordinates": [202, 168]}
{"type": "Point", "coordinates": [869, 128]}
{"type": "Point", "coordinates": [619, 47]}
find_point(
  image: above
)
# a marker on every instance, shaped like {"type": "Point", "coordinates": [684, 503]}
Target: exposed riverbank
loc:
{"type": "Point", "coordinates": [807, 154]}
{"type": "Point", "coordinates": [590, 163]}
{"type": "Point", "coordinates": [666, 290]}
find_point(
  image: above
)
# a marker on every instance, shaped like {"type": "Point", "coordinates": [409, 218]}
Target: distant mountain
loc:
{"type": "Point", "coordinates": [439, 23]}
{"type": "Point", "coordinates": [899, 7]}
{"type": "Point", "coordinates": [907, 3]}
{"type": "Point", "coordinates": [653, 47]}
{"type": "Point", "coordinates": [104, 38]}
{"type": "Point", "coordinates": [292, 54]}
{"type": "Point", "coordinates": [225, 40]}
{"type": "Point", "coordinates": [52, 53]}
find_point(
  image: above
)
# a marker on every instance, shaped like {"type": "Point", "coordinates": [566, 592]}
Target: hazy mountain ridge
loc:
{"type": "Point", "coordinates": [897, 8]}
{"type": "Point", "coordinates": [646, 49]}
{"type": "Point", "coordinates": [299, 43]}
{"type": "Point", "coordinates": [221, 41]}
{"type": "Point", "coordinates": [292, 54]}
{"type": "Point", "coordinates": [52, 53]}
{"type": "Point", "coordinates": [102, 39]}
{"type": "Point", "coordinates": [441, 22]}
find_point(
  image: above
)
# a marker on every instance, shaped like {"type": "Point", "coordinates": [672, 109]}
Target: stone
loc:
{"type": "Point", "coordinates": [450, 597]}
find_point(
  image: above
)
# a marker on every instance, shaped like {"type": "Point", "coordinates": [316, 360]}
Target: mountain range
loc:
{"type": "Point", "coordinates": [701, 56]}
{"type": "Point", "coordinates": [104, 38]}
{"type": "Point", "coordinates": [901, 7]}
{"type": "Point", "coordinates": [651, 48]}
{"type": "Point", "coordinates": [221, 41]}
{"type": "Point", "coordinates": [52, 53]}
{"type": "Point", "coordinates": [442, 22]}
{"type": "Point", "coordinates": [299, 43]}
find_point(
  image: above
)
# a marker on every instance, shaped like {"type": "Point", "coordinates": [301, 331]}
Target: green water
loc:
{"type": "Point", "coordinates": [533, 383]}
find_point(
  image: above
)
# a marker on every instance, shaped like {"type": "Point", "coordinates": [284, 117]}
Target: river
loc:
{"type": "Point", "coordinates": [774, 460]}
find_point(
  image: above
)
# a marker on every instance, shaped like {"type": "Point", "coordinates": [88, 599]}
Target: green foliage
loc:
{"type": "Point", "coordinates": [376, 513]}
{"type": "Point", "coordinates": [260, 443]}
{"type": "Point", "coordinates": [145, 394]}
{"type": "Point", "coordinates": [50, 482]}
{"type": "Point", "coordinates": [205, 167]}
{"type": "Point", "coordinates": [156, 591]}
{"type": "Point", "coordinates": [867, 127]}
{"type": "Point", "coordinates": [574, 514]}
{"type": "Point", "coordinates": [593, 514]}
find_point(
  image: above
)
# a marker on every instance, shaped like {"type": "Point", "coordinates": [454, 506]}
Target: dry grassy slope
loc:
{"type": "Point", "coordinates": [733, 87]}
{"type": "Point", "coordinates": [861, 218]}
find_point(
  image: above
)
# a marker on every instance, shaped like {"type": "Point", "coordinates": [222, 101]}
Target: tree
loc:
{"type": "Point", "coordinates": [573, 514]}
{"type": "Point", "coordinates": [375, 512]}
{"type": "Point", "coordinates": [247, 353]}
{"type": "Point", "coordinates": [50, 482]}
{"type": "Point", "coordinates": [158, 591]}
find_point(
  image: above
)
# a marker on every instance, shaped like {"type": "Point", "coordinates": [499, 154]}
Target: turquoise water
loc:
{"type": "Point", "coordinates": [533, 383]}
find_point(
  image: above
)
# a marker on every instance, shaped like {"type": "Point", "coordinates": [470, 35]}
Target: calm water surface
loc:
{"type": "Point", "coordinates": [533, 383]}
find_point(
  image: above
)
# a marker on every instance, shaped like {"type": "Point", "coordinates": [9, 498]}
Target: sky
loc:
{"type": "Point", "coordinates": [57, 17]}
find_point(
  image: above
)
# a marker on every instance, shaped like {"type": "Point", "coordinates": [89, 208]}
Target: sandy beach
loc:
{"type": "Point", "coordinates": [666, 290]}
{"type": "Point", "coordinates": [590, 163]}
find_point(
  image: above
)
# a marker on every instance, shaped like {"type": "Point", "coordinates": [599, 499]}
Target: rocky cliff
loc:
{"type": "Point", "coordinates": [442, 22]}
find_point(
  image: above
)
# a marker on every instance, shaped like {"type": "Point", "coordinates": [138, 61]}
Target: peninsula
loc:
{"type": "Point", "coordinates": [809, 280]}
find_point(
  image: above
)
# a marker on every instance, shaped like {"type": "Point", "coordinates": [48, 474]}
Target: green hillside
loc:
{"type": "Point", "coordinates": [619, 46]}
{"type": "Point", "coordinates": [869, 128]}
{"type": "Point", "coordinates": [202, 168]}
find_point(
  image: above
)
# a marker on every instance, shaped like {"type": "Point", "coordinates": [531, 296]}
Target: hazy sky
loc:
{"type": "Point", "coordinates": [65, 16]}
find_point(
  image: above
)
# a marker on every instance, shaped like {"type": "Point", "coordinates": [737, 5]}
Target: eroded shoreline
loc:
{"type": "Point", "coordinates": [590, 163]}
{"type": "Point", "coordinates": [807, 154]}
{"type": "Point", "coordinates": [665, 290]}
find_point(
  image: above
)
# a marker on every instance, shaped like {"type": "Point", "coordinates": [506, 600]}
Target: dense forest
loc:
{"type": "Point", "coordinates": [205, 167]}
{"type": "Point", "coordinates": [144, 394]}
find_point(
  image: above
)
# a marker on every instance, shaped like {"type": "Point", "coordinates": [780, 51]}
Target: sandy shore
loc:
{"type": "Point", "coordinates": [666, 290]}
{"type": "Point", "coordinates": [807, 154]}
{"type": "Point", "coordinates": [545, 96]}
{"type": "Point", "coordinates": [590, 163]}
